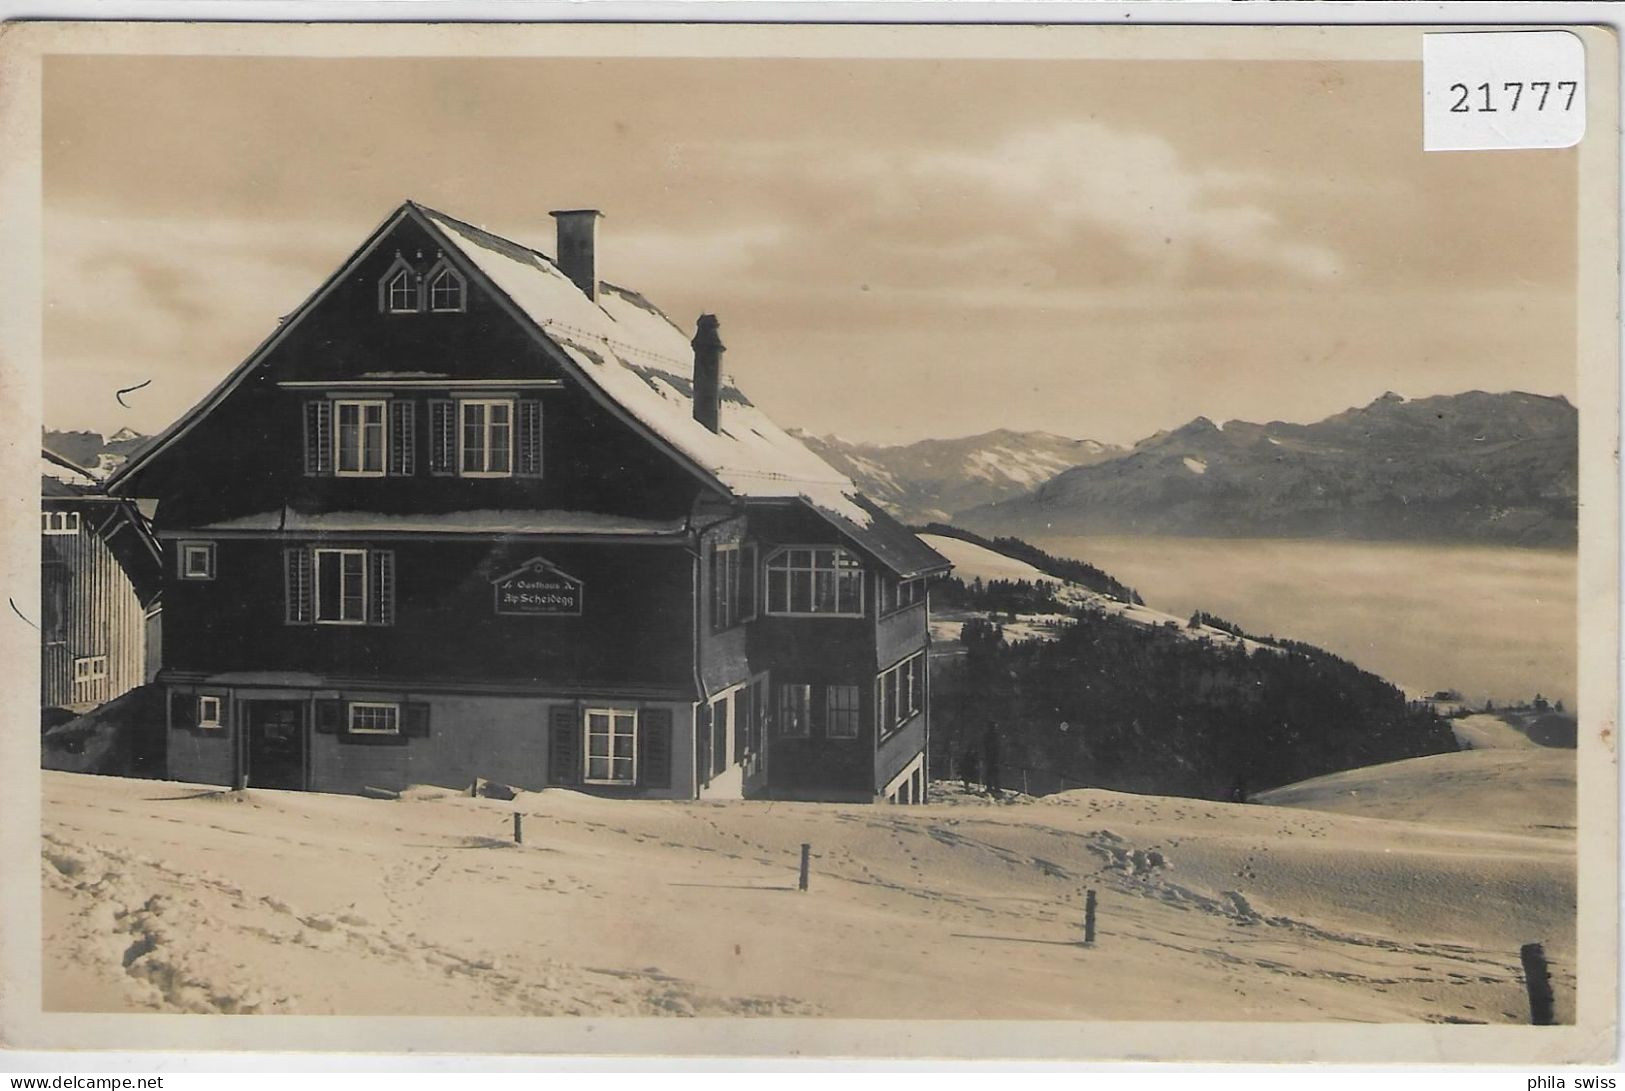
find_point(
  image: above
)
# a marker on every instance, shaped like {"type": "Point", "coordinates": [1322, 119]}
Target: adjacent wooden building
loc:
{"type": "Point", "coordinates": [472, 512]}
{"type": "Point", "coordinates": [100, 587]}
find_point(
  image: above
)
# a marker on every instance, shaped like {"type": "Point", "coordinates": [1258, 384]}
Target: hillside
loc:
{"type": "Point", "coordinates": [1041, 685]}
{"type": "Point", "coordinates": [924, 481]}
{"type": "Point", "coordinates": [163, 897]}
{"type": "Point", "coordinates": [1473, 467]}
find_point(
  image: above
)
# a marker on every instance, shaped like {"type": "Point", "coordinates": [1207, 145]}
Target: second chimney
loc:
{"type": "Point", "coordinates": [578, 247]}
{"type": "Point", "coordinates": [708, 350]}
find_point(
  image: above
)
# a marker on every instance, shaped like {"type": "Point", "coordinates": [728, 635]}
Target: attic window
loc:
{"type": "Point", "coordinates": [403, 293]}
{"type": "Point", "coordinates": [399, 289]}
{"type": "Point", "coordinates": [446, 290]}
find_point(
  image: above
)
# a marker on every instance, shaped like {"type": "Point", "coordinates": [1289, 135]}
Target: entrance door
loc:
{"type": "Point", "coordinates": [276, 744]}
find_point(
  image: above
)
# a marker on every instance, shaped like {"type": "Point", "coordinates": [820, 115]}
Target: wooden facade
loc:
{"type": "Point", "coordinates": [99, 592]}
{"type": "Point", "coordinates": [469, 514]}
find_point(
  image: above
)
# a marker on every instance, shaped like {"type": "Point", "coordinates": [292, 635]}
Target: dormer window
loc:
{"type": "Point", "coordinates": [399, 290]}
{"type": "Point", "coordinates": [446, 290]}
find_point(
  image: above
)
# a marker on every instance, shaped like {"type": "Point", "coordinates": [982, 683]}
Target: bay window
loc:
{"type": "Point", "coordinates": [815, 580]}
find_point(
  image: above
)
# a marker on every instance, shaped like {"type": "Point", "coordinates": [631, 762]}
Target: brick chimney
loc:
{"type": "Point", "coordinates": [708, 350]}
{"type": "Point", "coordinates": [578, 247]}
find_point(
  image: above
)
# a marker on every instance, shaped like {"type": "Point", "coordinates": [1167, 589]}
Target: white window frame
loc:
{"type": "Point", "coordinates": [439, 274]}
{"type": "Point", "coordinates": [316, 586]}
{"type": "Point", "coordinates": [59, 522]}
{"type": "Point", "coordinates": [462, 466]}
{"type": "Point", "coordinates": [184, 555]}
{"type": "Point", "coordinates": [891, 716]}
{"type": "Point", "coordinates": [391, 707]}
{"type": "Point", "coordinates": [204, 718]}
{"type": "Point", "coordinates": [361, 406]}
{"type": "Point", "coordinates": [773, 564]}
{"type": "Point", "coordinates": [411, 288]}
{"type": "Point", "coordinates": [733, 590]}
{"type": "Point", "coordinates": [612, 715]}
{"type": "Point", "coordinates": [89, 668]}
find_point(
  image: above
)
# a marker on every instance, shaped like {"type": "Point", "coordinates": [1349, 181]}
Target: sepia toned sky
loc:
{"type": "Point", "coordinates": [896, 249]}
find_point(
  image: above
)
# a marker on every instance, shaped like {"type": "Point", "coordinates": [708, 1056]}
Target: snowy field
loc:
{"type": "Point", "coordinates": [172, 897]}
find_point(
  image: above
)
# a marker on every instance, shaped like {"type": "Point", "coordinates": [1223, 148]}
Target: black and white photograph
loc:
{"type": "Point", "coordinates": [790, 529]}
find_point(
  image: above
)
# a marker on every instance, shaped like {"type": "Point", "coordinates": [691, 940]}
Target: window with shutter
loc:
{"type": "Point", "coordinates": [318, 437]}
{"type": "Point", "coordinates": [529, 435]}
{"type": "Point", "coordinates": [402, 437]}
{"type": "Point", "coordinates": [564, 745]}
{"type": "Point", "coordinates": [296, 577]}
{"type": "Point", "coordinates": [381, 596]}
{"type": "Point", "coordinates": [654, 748]}
{"type": "Point", "coordinates": [442, 437]}
{"type": "Point", "coordinates": [183, 710]}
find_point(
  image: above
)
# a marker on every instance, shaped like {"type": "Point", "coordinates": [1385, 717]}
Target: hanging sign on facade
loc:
{"type": "Point", "coordinates": [538, 589]}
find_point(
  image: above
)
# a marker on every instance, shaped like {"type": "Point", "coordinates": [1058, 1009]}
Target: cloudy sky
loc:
{"type": "Point", "coordinates": [896, 249]}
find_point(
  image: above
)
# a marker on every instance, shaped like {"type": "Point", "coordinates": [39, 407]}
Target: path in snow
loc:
{"type": "Point", "coordinates": [167, 897]}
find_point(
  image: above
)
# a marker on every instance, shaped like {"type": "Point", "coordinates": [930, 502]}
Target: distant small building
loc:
{"type": "Point", "coordinates": [100, 581]}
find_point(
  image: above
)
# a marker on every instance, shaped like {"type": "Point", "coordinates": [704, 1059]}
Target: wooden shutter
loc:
{"type": "Point", "coordinates": [747, 582]}
{"type": "Point", "coordinates": [415, 719]}
{"type": "Point", "coordinates": [702, 740]}
{"type": "Point", "coordinates": [318, 436]}
{"type": "Point", "coordinates": [381, 597]}
{"type": "Point", "coordinates": [442, 436]}
{"type": "Point", "coordinates": [528, 462]}
{"type": "Point", "coordinates": [744, 714]}
{"type": "Point", "coordinates": [654, 748]}
{"type": "Point", "coordinates": [296, 586]}
{"type": "Point", "coordinates": [329, 717]}
{"type": "Point", "coordinates": [183, 710]}
{"type": "Point", "coordinates": [403, 437]}
{"type": "Point", "coordinates": [564, 745]}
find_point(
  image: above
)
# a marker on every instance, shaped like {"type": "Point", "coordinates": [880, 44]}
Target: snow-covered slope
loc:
{"type": "Point", "coordinates": [973, 562]}
{"type": "Point", "coordinates": [1525, 791]}
{"type": "Point", "coordinates": [172, 897]}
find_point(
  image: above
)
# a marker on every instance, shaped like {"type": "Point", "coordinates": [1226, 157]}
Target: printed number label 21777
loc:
{"type": "Point", "coordinates": [1486, 100]}
{"type": "Point", "coordinates": [1492, 90]}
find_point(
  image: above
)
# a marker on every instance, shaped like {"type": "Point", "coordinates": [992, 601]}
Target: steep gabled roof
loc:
{"type": "Point", "coordinates": [640, 366]}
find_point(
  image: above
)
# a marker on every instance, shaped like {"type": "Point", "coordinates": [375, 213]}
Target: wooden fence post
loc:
{"type": "Point", "coordinates": [806, 853]}
{"type": "Point", "coordinates": [1089, 918]}
{"type": "Point", "coordinates": [1538, 980]}
{"type": "Point", "coordinates": [518, 829]}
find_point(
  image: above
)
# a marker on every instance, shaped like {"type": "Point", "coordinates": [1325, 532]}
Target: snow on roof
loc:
{"type": "Point", "coordinates": [484, 521]}
{"type": "Point", "coordinates": [59, 477]}
{"type": "Point", "coordinates": [639, 359]}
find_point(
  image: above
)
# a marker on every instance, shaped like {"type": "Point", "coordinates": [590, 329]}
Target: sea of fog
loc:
{"type": "Point", "coordinates": [1487, 621]}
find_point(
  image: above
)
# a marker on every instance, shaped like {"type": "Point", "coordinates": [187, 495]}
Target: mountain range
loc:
{"type": "Point", "coordinates": [930, 480]}
{"type": "Point", "coordinates": [1472, 467]}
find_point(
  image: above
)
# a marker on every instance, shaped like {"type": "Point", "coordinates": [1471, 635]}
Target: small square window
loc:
{"type": "Point", "coordinates": [374, 718]}
{"type": "Point", "coordinates": [197, 560]}
{"type": "Point", "coordinates": [208, 711]}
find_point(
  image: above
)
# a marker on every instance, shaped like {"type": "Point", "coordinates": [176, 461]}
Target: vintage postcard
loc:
{"type": "Point", "coordinates": [898, 541]}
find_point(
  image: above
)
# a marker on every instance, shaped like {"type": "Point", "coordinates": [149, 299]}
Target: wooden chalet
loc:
{"type": "Point", "coordinates": [100, 586]}
{"type": "Point", "coordinates": [471, 512]}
